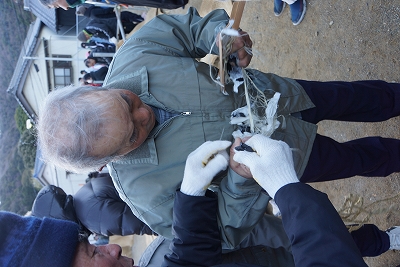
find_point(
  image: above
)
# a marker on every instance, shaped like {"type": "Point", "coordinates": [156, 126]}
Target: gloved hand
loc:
{"type": "Point", "coordinates": [202, 165]}
{"type": "Point", "coordinates": [271, 165]}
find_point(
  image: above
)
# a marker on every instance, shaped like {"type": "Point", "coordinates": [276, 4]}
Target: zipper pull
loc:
{"type": "Point", "coordinates": [186, 113]}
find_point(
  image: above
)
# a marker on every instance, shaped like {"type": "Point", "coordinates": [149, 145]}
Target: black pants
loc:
{"type": "Point", "coordinates": [361, 101]}
{"type": "Point", "coordinates": [370, 240]}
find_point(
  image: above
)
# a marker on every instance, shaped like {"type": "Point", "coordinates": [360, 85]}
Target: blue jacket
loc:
{"type": "Point", "coordinates": [317, 233]}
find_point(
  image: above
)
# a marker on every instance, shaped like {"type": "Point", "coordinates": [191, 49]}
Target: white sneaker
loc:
{"type": "Point", "coordinates": [394, 237]}
{"type": "Point", "coordinates": [275, 208]}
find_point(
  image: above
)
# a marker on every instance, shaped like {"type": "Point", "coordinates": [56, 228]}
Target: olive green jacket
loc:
{"type": "Point", "coordinates": [159, 64]}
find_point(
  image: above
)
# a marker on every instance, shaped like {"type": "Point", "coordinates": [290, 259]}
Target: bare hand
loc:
{"type": "Point", "coordinates": [240, 169]}
{"type": "Point", "coordinates": [239, 45]}
{"type": "Point", "coordinates": [242, 44]}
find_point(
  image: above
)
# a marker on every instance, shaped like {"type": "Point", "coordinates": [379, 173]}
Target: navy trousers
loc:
{"type": "Point", "coordinates": [370, 240]}
{"type": "Point", "coordinates": [361, 101]}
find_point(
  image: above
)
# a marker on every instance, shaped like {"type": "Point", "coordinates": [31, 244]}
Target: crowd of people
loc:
{"type": "Point", "coordinates": [148, 135]}
{"type": "Point", "coordinates": [100, 37]}
{"type": "Point", "coordinates": [95, 72]}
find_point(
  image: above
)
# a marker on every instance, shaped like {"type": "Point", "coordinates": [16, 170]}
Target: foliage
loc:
{"type": "Point", "coordinates": [16, 190]}
{"type": "Point", "coordinates": [16, 196]}
{"type": "Point", "coordinates": [7, 111]}
{"type": "Point", "coordinates": [20, 119]}
{"type": "Point", "coordinates": [15, 23]}
{"type": "Point", "coordinates": [26, 178]}
{"type": "Point", "coordinates": [27, 148]}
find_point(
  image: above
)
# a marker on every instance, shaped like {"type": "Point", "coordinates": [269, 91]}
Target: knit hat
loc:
{"type": "Point", "coordinates": [82, 36]}
{"type": "Point", "coordinates": [29, 241]}
{"type": "Point", "coordinates": [80, 10]}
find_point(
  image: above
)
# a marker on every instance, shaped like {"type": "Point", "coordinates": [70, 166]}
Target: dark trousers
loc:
{"type": "Point", "coordinates": [370, 240]}
{"type": "Point", "coordinates": [362, 101]}
{"type": "Point", "coordinates": [129, 20]}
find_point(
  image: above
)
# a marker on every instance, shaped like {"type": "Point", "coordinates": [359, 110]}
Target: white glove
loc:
{"type": "Point", "coordinates": [272, 164]}
{"type": "Point", "coordinates": [202, 165]}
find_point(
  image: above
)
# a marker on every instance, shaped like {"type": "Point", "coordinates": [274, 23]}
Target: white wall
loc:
{"type": "Point", "coordinates": [36, 85]}
{"type": "Point", "coordinates": [69, 182]}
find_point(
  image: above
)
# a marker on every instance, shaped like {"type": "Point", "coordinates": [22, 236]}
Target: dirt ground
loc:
{"type": "Point", "coordinates": [337, 40]}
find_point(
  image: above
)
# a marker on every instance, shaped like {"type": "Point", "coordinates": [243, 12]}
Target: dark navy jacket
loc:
{"type": "Point", "coordinates": [100, 209]}
{"type": "Point", "coordinates": [317, 233]}
{"type": "Point", "coordinates": [96, 206]}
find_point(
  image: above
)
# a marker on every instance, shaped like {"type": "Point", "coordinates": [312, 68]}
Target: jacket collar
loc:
{"type": "Point", "coordinates": [137, 83]}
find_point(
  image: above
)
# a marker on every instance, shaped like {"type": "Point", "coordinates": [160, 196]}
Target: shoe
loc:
{"type": "Point", "coordinates": [275, 209]}
{"type": "Point", "coordinates": [279, 5]}
{"type": "Point", "coordinates": [297, 11]}
{"type": "Point", "coordinates": [394, 237]}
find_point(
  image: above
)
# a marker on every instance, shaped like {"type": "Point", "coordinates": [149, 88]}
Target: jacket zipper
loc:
{"type": "Point", "coordinates": [168, 122]}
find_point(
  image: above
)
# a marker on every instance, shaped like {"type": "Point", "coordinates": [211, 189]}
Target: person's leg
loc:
{"type": "Point", "coordinates": [129, 20]}
{"type": "Point", "coordinates": [131, 17]}
{"type": "Point", "coordinates": [297, 10]}
{"type": "Point", "coordinates": [360, 101]}
{"type": "Point", "coordinates": [394, 237]}
{"type": "Point", "coordinates": [370, 156]}
{"type": "Point", "coordinates": [370, 240]}
{"type": "Point", "coordinates": [279, 6]}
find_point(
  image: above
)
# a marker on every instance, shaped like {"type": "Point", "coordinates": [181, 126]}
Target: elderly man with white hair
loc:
{"type": "Point", "coordinates": [159, 103]}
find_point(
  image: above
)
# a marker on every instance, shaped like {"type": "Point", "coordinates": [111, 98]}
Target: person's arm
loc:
{"type": "Point", "coordinates": [315, 229]}
{"type": "Point", "coordinates": [195, 227]}
{"type": "Point", "coordinates": [185, 35]}
{"type": "Point", "coordinates": [188, 35]}
{"type": "Point", "coordinates": [100, 209]}
{"type": "Point", "coordinates": [99, 74]}
{"type": "Point", "coordinates": [317, 234]}
{"type": "Point", "coordinates": [95, 12]}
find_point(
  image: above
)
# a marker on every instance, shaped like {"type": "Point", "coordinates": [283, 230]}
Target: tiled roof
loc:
{"type": "Point", "coordinates": [23, 65]}
{"type": "Point", "coordinates": [47, 15]}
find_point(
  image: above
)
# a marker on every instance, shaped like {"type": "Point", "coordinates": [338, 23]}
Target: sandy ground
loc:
{"type": "Point", "coordinates": [337, 40]}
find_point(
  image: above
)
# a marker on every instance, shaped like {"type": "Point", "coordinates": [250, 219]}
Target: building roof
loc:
{"type": "Point", "coordinates": [47, 15]}
{"type": "Point", "coordinates": [23, 66]}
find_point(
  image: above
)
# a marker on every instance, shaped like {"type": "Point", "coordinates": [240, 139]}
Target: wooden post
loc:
{"type": "Point", "coordinates": [237, 12]}
{"type": "Point", "coordinates": [236, 15]}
